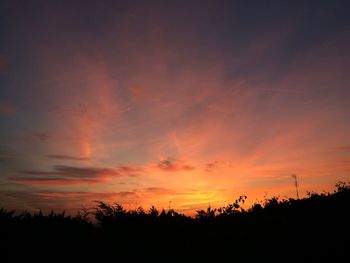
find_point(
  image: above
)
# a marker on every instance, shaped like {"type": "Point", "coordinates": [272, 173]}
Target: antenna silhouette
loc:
{"type": "Point", "coordinates": [169, 205]}
{"type": "Point", "coordinates": [296, 184]}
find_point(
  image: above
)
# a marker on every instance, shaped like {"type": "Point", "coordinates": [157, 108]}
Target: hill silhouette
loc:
{"type": "Point", "coordinates": [315, 228]}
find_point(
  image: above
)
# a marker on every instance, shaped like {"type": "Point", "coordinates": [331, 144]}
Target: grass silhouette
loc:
{"type": "Point", "coordinates": [314, 228]}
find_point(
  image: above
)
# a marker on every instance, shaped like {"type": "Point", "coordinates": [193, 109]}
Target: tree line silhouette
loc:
{"type": "Point", "coordinates": [314, 228]}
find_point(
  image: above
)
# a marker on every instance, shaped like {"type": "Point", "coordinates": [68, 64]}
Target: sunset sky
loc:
{"type": "Point", "coordinates": [180, 103]}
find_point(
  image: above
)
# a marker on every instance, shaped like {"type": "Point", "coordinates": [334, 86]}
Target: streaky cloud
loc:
{"type": "Point", "coordinates": [71, 175]}
{"type": "Point", "coordinates": [67, 157]}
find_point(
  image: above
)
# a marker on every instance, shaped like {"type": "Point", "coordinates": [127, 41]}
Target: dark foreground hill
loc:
{"type": "Point", "coordinates": [313, 229]}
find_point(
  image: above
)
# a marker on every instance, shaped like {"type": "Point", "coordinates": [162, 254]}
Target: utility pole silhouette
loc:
{"type": "Point", "coordinates": [296, 184]}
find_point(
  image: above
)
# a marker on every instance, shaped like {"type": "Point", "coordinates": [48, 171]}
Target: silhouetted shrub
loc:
{"type": "Point", "coordinates": [318, 225]}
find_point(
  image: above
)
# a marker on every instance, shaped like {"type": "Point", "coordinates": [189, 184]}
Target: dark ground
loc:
{"type": "Point", "coordinates": [313, 229]}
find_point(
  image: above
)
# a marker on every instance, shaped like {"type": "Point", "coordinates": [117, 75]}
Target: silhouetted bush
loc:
{"type": "Point", "coordinates": [312, 228]}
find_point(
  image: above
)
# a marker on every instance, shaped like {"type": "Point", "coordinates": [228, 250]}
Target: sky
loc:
{"type": "Point", "coordinates": [179, 104]}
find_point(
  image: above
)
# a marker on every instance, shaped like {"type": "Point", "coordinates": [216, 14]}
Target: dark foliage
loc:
{"type": "Point", "coordinates": [312, 229]}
